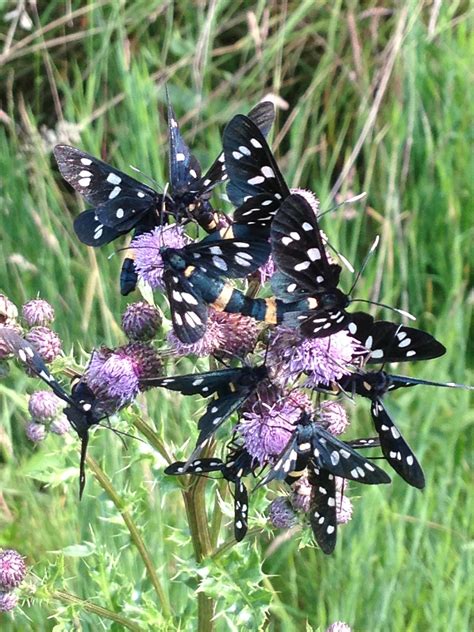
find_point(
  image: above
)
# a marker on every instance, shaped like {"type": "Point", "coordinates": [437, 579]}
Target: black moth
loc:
{"type": "Point", "coordinates": [230, 388]}
{"type": "Point", "coordinates": [304, 270]}
{"type": "Point", "coordinates": [212, 260]}
{"type": "Point", "coordinates": [83, 410]}
{"type": "Point", "coordinates": [256, 185]}
{"type": "Point", "coordinates": [238, 463]}
{"type": "Point", "coordinates": [373, 385]}
{"type": "Point", "coordinates": [389, 342]}
{"type": "Point", "coordinates": [324, 457]}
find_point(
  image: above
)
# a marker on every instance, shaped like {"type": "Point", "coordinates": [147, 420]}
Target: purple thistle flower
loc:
{"type": "Point", "coordinates": [60, 426]}
{"type": "Point", "coordinates": [301, 494]}
{"type": "Point", "coordinates": [35, 432]}
{"type": "Point", "coordinates": [339, 626]}
{"type": "Point", "coordinates": [280, 513]}
{"type": "Point", "coordinates": [226, 334]}
{"type": "Point", "coordinates": [8, 311]}
{"type": "Point", "coordinates": [343, 508]}
{"type": "Point", "coordinates": [46, 342]}
{"type": "Point", "coordinates": [265, 272]}
{"type": "Point", "coordinates": [44, 406]}
{"type": "Point", "coordinates": [37, 312]}
{"type": "Point", "coordinates": [146, 250]}
{"type": "Point", "coordinates": [8, 601]}
{"type": "Point", "coordinates": [268, 421]}
{"type": "Point", "coordinates": [333, 417]}
{"type": "Point", "coordinates": [323, 360]}
{"type": "Point", "coordinates": [5, 351]}
{"type": "Point", "coordinates": [309, 196]}
{"type": "Point", "coordinates": [141, 321]}
{"type": "Point", "coordinates": [12, 569]}
{"type": "Point", "coordinates": [116, 374]}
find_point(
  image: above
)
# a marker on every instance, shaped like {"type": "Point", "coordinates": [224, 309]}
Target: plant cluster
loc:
{"type": "Point", "coordinates": [260, 296]}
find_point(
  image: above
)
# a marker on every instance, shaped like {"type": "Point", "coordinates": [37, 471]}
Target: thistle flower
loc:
{"type": "Point", "coordinates": [333, 417]}
{"type": "Point", "coordinates": [226, 334]}
{"type": "Point", "coordinates": [344, 508]}
{"type": "Point", "coordinates": [280, 513]}
{"type": "Point", "coordinates": [266, 271]}
{"type": "Point", "coordinates": [141, 321]}
{"type": "Point", "coordinates": [37, 312]}
{"type": "Point", "coordinates": [8, 601]}
{"type": "Point", "coordinates": [8, 311]}
{"type": "Point", "coordinates": [46, 342]}
{"type": "Point", "coordinates": [60, 426]}
{"type": "Point", "coordinates": [146, 250]}
{"type": "Point", "coordinates": [268, 421]}
{"type": "Point", "coordinates": [35, 432]}
{"type": "Point", "coordinates": [309, 197]}
{"type": "Point", "coordinates": [323, 360]}
{"type": "Point", "coordinates": [12, 569]}
{"type": "Point", "coordinates": [116, 374]}
{"type": "Point", "coordinates": [44, 406]}
{"type": "Point", "coordinates": [5, 351]}
{"type": "Point", "coordinates": [301, 494]}
{"type": "Point", "coordinates": [339, 626]}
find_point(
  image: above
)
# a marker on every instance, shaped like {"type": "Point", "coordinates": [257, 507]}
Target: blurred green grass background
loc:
{"type": "Point", "coordinates": [380, 100]}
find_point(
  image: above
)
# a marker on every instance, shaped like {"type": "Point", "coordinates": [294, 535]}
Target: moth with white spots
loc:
{"type": "Point", "coordinates": [238, 464]}
{"type": "Point", "coordinates": [83, 409]}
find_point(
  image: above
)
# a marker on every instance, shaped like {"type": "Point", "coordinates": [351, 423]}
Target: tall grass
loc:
{"type": "Point", "coordinates": [377, 93]}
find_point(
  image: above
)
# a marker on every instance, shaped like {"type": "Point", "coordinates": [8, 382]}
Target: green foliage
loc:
{"type": "Point", "coordinates": [93, 74]}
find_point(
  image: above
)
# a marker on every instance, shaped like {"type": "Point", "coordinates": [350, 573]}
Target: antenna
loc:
{"type": "Point", "coordinates": [146, 177]}
{"type": "Point", "coordinates": [365, 262]}
{"type": "Point", "coordinates": [402, 312]}
{"type": "Point", "coordinates": [351, 200]}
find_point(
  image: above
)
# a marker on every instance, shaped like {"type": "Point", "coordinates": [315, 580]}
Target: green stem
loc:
{"type": "Point", "coordinates": [134, 533]}
{"type": "Point", "coordinates": [152, 437]}
{"type": "Point", "coordinates": [217, 513]}
{"type": "Point", "coordinates": [195, 506]}
{"type": "Point", "coordinates": [68, 598]}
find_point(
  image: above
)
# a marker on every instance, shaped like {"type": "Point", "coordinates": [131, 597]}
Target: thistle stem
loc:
{"type": "Point", "coordinates": [68, 598]}
{"type": "Point", "coordinates": [106, 485]}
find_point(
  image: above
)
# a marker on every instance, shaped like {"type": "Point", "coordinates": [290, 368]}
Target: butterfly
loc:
{"type": "Point", "coordinates": [238, 463]}
{"type": "Point", "coordinates": [193, 279]}
{"type": "Point", "coordinates": [304, 269]}
{"type": "Point", "coordinates": [230, 389]}
{"type": "Point", "coordinates": [374, 385]}
{"type": "Point", "coordinates": [324, 457]}
{"type": "Point", "coordinates": [83, 409]}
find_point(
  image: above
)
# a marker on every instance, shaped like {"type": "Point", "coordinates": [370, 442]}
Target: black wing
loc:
{"type": "Point", "coordinates": [250, 164]}
{"type": "Point", "coordinates": [241, 506]}
{"type": "Point", "coordinates": [199, 466]}
{"type": "Point", "coordinates": [389, 342]}
{"type": "Point", "coordinates": [91, 231]}
{"type": "Point", "coordinates": [230, 258]}
{"type": "Point", "coordinates": [28, 355]}
{"type": "Point", "coordinates": [394, 447]}
{"type": "Point", "coordinates": [321, 323]}
{"type": "Point", "coordinates": [323, 510]}
{"type": "Point", "coordinates": [298, 248]}
{"type": "Point", "coordinates": [217, 412]}
{"type": "Point", "coordinates": [189, 313]}
{"type": "Point", "coordinates": [120, 201]}
{"type": "Point", "coordinates": [341, 459]}
{"type": "Point", "coordinates": [263, 115]}
{"type": "Point", "coordinates": [203, 384]}
{"type": "Point", "coordinates": [181, 164]}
